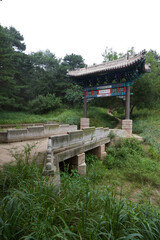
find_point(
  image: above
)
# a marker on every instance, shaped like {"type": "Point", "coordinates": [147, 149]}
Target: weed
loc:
{"type": "Point", "coordinates": [134, 162]}
{"type": "Point", "coordinates": [90, 158]}
{"type": "Point", "coordinates": [119, 154]}
{"type": "Point", "coordinates": [112, 135]}
{"type": "Point", "coordinates": [99, 117]}
{"type": "Point", "coordinates": [147, 124]}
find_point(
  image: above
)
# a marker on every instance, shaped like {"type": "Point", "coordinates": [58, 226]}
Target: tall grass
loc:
{"type": "Point", "coordinates": [147, 124]}
{"type": "Point", "coordinates": [98, 117]}
{"type": "Point", "coordinates": [137, 165]}
{"type": "Point", "coordinates": [32, 208]}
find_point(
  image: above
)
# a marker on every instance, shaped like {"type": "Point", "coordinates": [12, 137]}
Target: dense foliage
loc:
{"type": "Point", "coordinates": [43, 104]}
{"type": "Point", "coordinates": [24, 78]}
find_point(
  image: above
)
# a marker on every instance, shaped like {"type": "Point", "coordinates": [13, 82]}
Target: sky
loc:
{"type": "Point", "coordinates": [84, 27]}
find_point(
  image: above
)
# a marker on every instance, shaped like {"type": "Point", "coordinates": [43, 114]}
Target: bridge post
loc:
{"type": "Point", "coordinates": [84, 122]}
{"type": "Point", "coordinates": [127, 123]}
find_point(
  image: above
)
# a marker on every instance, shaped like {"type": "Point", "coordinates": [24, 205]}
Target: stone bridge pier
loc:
{"type": "Point", "coordinates": [100, 151]}
{"type": "Point", "coordinates": [78, 162]}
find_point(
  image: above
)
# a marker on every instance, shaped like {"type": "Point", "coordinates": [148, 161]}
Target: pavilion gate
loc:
{"type": "Point", "coordinates": [97, 81]}
{"type": "Point", "coordinates": [110, 90]}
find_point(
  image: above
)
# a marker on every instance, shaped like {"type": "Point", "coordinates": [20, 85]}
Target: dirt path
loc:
{"type": "Point", "coordinates": [7, 148]}
{"type": "Point", "coordinates": [119, 120]}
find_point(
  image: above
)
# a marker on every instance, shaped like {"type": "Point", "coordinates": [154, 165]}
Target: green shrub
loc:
{"type": "Point", "coordinates": [147, 124]}
{"type": "Point", "coordinates": [74, 120]}
{"type": "Point", "coordinates": [129, 157]}
{"type": "Point", "coordinates": [90, 158]}
{"type": "Point", "coordinates": [112, 135]}
{"type": "Point", "coordinates": [123, 150]}
{"type": "Point", "coordinates": [17, 173]}
{"type": "Point", "coordinates": [74, 96]}
{"type": "Point", "coordinates": [43, 104]}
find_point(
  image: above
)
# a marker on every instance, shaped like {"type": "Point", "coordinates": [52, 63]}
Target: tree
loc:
{"type": "Point", "coordinates": [73, 61]}
{"type": "Point", "coordinates": [43, 104]}
{"type": "Point", "coordinates": [44, 70]}
{"type": "Point", "coordinates": [147, 89]}
{"type": "Point", "coordinates": [11, 49]}
{"type": "Point", "coordinates": [110, 55]}
{"type": "Point", "coordinates": [16, 39]}
{"type": "Point", "coordinates": [48, 75]}
{"type": "Point", "coordinates": [25, 77]}
{"type": "Point", "coordinates": [74, 96]}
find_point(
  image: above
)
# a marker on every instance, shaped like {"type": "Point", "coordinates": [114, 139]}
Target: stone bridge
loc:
{"type": "Point", "coordinates": [71, 147]}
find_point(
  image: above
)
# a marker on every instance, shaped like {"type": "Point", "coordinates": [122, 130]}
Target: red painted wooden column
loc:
{"type": "Point", "coordinates": [127, 112]}
{"type": "Point", "coordinates": [85, 105]}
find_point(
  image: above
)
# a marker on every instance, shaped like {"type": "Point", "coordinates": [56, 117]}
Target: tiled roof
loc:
{"type": "Point", "coordinates": [108, 66]}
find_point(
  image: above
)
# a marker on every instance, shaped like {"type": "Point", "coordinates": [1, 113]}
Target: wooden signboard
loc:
{"type": "Point", "coordinates": [107, 91]}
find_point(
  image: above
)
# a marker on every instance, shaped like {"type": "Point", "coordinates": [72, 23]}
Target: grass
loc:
{"type": "Point", "coordinates": [147, 124]}
{"type": "Point", "coordinates": [118, 198]}
{"type": "Point", "coordinates": [83, 208]}
{"type": "Point", "coordinates": [98, 117]}
{"type": "Point", "coordinates": [135, 162]}
{"type": "Point", "coordinates": [24, 117]}
{"type": "Point", "coordinates": [133, 171]}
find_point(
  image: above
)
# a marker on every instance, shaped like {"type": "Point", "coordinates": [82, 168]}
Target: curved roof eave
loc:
{"type": "Point", "coordinates": [108, 66]}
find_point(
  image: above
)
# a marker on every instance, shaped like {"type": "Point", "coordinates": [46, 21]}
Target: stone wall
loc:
{"type": "Point", "coordinates": [35, 132]}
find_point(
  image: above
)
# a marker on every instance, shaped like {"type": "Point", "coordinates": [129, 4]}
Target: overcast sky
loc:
{"type": "Point", "coordinates": [84, 27]}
